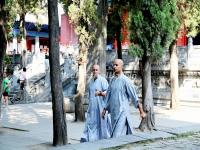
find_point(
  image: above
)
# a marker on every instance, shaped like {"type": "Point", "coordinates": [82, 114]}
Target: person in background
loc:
{"type": "Point", "coordinates": [6, 89]}
{"type": "Point", "coordinates": [96, 128]}
{"type": "Point", "coordinates": [22, 79]}
{"type": "Point", "coordinates": [120, 91]}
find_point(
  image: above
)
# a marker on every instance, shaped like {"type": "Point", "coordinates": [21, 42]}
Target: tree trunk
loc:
{"type": "Point", "coordinates": [97, 54]}
{"type": "Point", "coordinates": [174, 103]}
{"type": "Point", "coordinates": [59, 116]}
{"type": "Point", "coordinates": [119, 45]}
{"type": "Point", "coordinates": [103, 36]}
{"type": "Point", "coordinates": [24, 46]}
{"type": "Point", "coordinates": [3, 45]}
{"type": "Point", "coordinates": [148, 123]}
{"type": "Point", "coordinates": [79, 97]}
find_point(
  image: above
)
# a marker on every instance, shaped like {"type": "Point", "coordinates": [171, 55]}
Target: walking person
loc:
{"type": "Point", "coordinates": [22, 82]}
{"type": "Point", "coordinates": [22, 78]}
{"type": "Point", "coordinates": [6, 89]}
{"type": "Point", "coordinates": [120, 92]}
{"type": "Point", "coordinates": [96, 128]}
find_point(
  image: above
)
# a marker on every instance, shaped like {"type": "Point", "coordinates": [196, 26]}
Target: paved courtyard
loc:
{"type": "Point", "coordinates": [29, 126]}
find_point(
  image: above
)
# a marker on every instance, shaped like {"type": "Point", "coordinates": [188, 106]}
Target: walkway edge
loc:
{"type": "Point", "coordinates": [130, 139]}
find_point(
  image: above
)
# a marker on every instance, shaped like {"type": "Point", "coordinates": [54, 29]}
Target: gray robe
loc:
{"type": "Point", "coordinates": [96, 128]}
{"type": "Point", "coordinates": [120, 92]}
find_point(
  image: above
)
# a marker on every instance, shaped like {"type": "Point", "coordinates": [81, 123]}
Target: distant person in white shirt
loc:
{"type": "Point", "coordinates": [22, 79]}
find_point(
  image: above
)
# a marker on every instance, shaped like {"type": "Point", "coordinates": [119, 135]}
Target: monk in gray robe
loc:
{"type": "Point", "coordinates": [96, 128]}
{"type": "Point", "coordinates": [120, 92]}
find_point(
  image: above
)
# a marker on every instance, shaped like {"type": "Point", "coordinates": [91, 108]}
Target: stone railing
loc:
{"type": "Point", "coordinates": [165, 73]}
{"type": "Point", "coordinates": [137, 73]}
{"type": "Point", "coordinates": [188, 80]}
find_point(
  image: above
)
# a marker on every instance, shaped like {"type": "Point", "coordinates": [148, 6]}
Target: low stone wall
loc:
{"type": "Point", "coordinates": [189, 73]}
{"type": "Point", "coordinates": [189, 76]}
{"type": "Point", "coordinates": [189, 85]}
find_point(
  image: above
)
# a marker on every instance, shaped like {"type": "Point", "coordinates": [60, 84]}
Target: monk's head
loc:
{"type": "Point", "coordinates": [118, 66]}
{"type": "Point", "coordinates": [95, 70]}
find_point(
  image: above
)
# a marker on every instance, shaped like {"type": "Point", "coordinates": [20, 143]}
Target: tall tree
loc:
{"type": "Point", "coordinates": [83, 15]}
{"type": "Point", "coordinates": [6, 21]}
{"type": "Point", "coordinates": [22, 8]}
{"type": "Point", "coordinates": [115, 13]}
{"type": "Point", "coordinates": [152, 26]}
{"type": "Point", "coordinates": [173, 52]}
{"type": "Point", "coordinates": [3, 42]}
{"type": "Point", "coordinates": [189, 13]}
{"type": "Point", "coordinates": [59, 117]}
{"type": "Point", "coordinates": [99, 50]}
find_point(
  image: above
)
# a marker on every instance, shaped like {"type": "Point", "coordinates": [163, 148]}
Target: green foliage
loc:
{"type": "Point", "coordinates": [7, 60]}
{"type": "Point", "coordinates": [28, 6]}
{"type": "Point", "coordinates": [83, 14]}
{"type": "Point", "coordinates": [66, 4]}
{"type": "Point", "coordinates": [135, 50]}
{"type": "Point", "coordinates": [14, 8]}
{"type": "Point", "coordinates": [153, 25]}
{"type": "Point", "coordinates": [7, 15]}
{"type": "Point", "coordinates": [190, 15]}
{"type": "Point", "coordinates": [19, 8]}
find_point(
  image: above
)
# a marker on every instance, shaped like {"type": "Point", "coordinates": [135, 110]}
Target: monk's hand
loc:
{"type": "Point", "coordinates": [142, 112]}
{"type": "Point", "coordinates": [103, 113]}
{"type": "Point", "coordinates": [97, 93]}
{"type": "Point", "coordinates": [142, 115]}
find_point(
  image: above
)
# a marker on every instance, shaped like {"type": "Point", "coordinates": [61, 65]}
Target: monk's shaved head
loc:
{"type": "Point", "coordinates": [95, 66]}
{"type": "Point", "coordinates": [119, 61]}
{"type": "Point", "coordinates": [117, 66]}
{"type": "Point", "coordinates": [95, 70]}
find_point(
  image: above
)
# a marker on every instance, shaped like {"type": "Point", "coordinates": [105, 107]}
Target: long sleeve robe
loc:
{"type": "Point", "coordinates": [120, 92]}
{"type": "Point", "coordinates": [96, 128]}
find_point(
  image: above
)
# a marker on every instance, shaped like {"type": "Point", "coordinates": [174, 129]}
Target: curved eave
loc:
{"type": "Point", "coordinates": [32, 33]}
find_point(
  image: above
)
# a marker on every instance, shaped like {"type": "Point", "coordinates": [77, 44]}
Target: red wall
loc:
{"type": "Point", "coordinates": [28, 44]}
{"type": "Point", "coordinates": [124, 31]}
{"type": "Point", "coordinates": [68, 36]}
{"type": "Point", "coordinates": [182, 40]}
{"type": "Point", "coordinates": [125, 38]}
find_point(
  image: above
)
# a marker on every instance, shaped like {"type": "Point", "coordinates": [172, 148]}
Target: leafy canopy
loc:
{"type": "Point", "coordinates": [153, 25]}
{"type": "Point", "coordinates": [83, 14]}
{"type": "Point", "coordinates": [14, 8]}
{"type": "Point", "coordinates": [190, 16]}
{"type": "Point", "coordinates": [8, 14]}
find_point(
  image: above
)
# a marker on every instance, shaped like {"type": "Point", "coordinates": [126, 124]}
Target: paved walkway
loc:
{"type": "Point", "coordinates": [29, 126]}
{"type": "Point", "coordinates": [187, 142]}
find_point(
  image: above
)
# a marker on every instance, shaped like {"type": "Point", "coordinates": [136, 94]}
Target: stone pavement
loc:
{"type": "Point", "coordinates": [29, 126]}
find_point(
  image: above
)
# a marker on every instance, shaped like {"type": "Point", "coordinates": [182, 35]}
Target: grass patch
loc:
{"type": "Point", "coordinates": [146, 142]}
{"type": "Point", "coordinates": [130, 144]}
{"type": "Point", "coordinates": [183, 135]}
